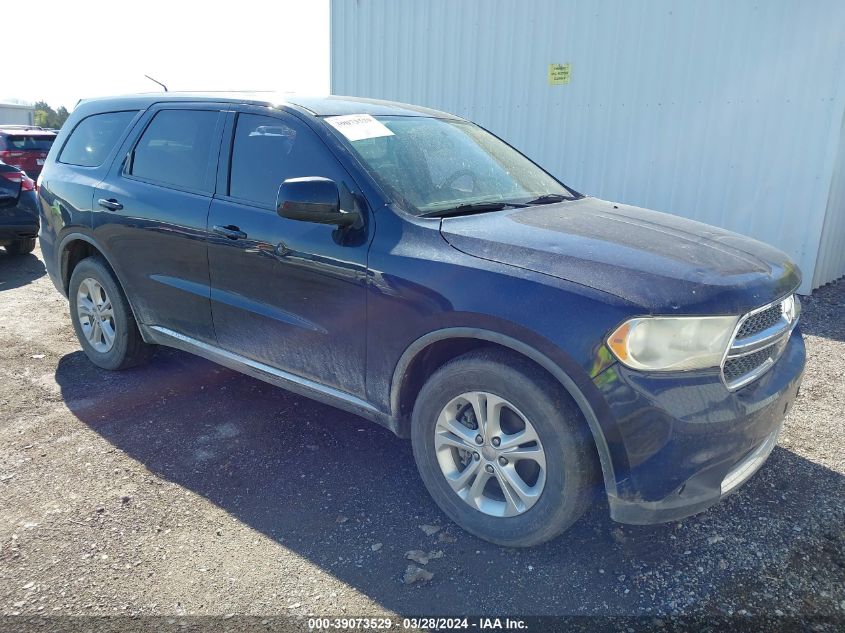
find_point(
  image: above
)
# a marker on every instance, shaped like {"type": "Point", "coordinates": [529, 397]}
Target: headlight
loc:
{"type": "Point", "coordinates": [672, 343]}
{"type": "Point", "coordinates": [791, 307]}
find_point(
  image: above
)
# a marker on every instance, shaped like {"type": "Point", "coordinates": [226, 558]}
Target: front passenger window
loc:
{"type": "Point", "coordinates": [267, 150]}
{"type": "Point", "coordinates": [175, 149]}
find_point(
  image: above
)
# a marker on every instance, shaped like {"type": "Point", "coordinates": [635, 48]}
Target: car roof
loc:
{"type": "Point", "coordinates": [330, 105]}
{"type": "Point", "coordinates": [333, 105]}
{"type": "Point", "coordinates": [28, 131]}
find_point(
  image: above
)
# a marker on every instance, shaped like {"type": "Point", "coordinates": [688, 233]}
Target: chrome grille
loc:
{"type": "Point", "coordinates": [740, 366]}
{"type": "Point", "coordinates": [756, 323]}
{"type": "Point", "coordinates": [760, 338]}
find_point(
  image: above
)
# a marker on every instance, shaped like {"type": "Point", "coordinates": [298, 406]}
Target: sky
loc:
{"type": "Point", "coordinates": [97, 48]}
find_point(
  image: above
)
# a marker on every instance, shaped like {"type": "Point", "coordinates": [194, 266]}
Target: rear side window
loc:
{"type": "Point", "coordinates": [94, 137]}
{"type": "Point", "coordinates": [268, 150]}
{"type": "Point", "coordinates": [23, 142]}
{"type": "Point", "coordinates": [175, 149]}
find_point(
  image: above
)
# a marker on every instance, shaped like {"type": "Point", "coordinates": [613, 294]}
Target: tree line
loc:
{"type": "Point", "coordinates": [45, 116]}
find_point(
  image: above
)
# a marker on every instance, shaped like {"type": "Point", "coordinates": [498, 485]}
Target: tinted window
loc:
{"type": "Point", "coordinates": [269, 150]}
{"type": "Point", "coordinates": [20, 142]}
{"type": "Point", "coordinates": [94, 137]}
{"type": "Point", "coordinates": [175, 149]}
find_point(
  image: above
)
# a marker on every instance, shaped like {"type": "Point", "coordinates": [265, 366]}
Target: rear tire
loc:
{"type": "Point", "coordinates": [21, 247]}
{"type": "Point", "coordinates": [520, 402]}
{"type": "Point", "coordinates": [102, 318]}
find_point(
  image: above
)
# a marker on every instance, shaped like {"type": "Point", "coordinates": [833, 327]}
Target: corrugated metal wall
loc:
{"type": "Point", "coordinates": [830, 263]}
{"type": "Point", "coordinates": [13, 114]}
{"type": "Point", "coordinates": [726, 112]}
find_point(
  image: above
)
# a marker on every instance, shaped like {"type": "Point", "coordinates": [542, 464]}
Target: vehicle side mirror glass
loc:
{"type": "Point", "coordinates": [10, 189]}
{"type": "Point", "coordinates": [312, 199]}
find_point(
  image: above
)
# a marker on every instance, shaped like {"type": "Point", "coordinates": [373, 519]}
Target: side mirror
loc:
{"type": "Point", "coordinates": [10, 187]}
{"type": "Point", "coordinates": [312, 199]}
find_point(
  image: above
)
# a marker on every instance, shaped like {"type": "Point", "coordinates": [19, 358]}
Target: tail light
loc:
{"type": "Point", "coordinates": [27, 183]}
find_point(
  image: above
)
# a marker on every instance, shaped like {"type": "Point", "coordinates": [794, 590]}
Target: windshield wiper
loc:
{"type": "Point", "coordinates": [549, 198]}
{"type": "Point", "coordinates": [474, 207]}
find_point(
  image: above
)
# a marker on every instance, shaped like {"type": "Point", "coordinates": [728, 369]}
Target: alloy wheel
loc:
{"type": "Point", "coordinates": [490, 454]}
{"type": "Point", "coordinates": [96, 315]}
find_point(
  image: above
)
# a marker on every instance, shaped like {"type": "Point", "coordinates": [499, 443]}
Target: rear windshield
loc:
{"type": "Point", "coordinates": [18, 142]}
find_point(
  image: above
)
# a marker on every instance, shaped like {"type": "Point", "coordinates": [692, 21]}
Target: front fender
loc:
{"type": "Point", "coordinates": [554, 367]}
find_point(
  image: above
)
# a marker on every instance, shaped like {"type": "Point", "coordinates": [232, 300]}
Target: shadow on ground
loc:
{"type": "Point", "coordinates": [289, 467]}
{"type": "Point", "coordinates": [19, 270]}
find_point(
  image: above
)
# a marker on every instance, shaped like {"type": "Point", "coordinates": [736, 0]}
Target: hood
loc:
{"type": "Point", "coordinates": [663, 263]}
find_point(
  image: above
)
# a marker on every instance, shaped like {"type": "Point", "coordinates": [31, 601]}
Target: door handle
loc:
{"type": "Point", "coordinates": [231, 232]}
{"type": "Point", "coordinates": [111, 204]}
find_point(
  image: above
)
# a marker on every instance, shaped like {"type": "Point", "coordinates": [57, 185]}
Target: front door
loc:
{"type": "Point", "coordinates": [286, 293]}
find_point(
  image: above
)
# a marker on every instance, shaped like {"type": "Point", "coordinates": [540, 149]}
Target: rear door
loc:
{"type": "Point", "coordinates": [286, 293]}
{"type": "Point", "coordinates": [151, 211]}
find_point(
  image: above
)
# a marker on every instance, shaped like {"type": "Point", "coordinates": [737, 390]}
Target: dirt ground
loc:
{"type": "Point", "coordinates": [184, 488]}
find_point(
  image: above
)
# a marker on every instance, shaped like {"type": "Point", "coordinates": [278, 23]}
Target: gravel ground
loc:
{"type": "Point", "coordinates": [185, 488]}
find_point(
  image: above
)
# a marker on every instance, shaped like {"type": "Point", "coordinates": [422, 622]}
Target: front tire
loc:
{"type": "Point", "coordinates": [502, 448]}
{"type": "Point", "coordinates": [102, 318]}
{"type": "Point", "coordinates": [21, 247]}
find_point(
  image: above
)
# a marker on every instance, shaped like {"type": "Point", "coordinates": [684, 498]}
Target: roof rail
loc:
{"type": "Point", "coordinates": [20, 127]}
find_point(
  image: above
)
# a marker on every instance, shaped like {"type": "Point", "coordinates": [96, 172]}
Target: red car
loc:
{"type": "Point", "coordinates": [25, 147]}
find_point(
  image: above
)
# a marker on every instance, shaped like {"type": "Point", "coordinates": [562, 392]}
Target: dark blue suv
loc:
{"type": "Point", "coordinates": [537, 345]}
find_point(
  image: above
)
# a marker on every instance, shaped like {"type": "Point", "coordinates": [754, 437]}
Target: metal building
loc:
{"type": "Point", "coordinates": [16, 114]}
{"type": "Point", "coordinates": [726, 112]}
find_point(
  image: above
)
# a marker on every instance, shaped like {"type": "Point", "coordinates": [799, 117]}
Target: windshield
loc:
{"type": "Point", "coordinates": [429, 165]}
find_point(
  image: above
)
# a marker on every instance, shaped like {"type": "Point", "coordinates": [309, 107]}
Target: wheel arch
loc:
{"type": "Point", "coordinates": [73, 248]}
{"type": "Point", "coordinates": [466, 339]}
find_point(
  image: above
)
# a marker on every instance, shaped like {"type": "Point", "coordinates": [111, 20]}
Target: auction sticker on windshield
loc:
{"type": "Point", "coordinates": [357, 127]}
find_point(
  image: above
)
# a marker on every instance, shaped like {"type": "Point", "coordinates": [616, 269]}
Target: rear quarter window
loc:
{"type": "Point", "coordinates": [94, 137]}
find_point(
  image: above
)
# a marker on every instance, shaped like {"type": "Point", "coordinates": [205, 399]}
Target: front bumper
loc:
{"type": "Point", "coordinates": [682, 442]}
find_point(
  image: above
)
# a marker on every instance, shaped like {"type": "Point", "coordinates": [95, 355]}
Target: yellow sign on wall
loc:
{"type": "Point", "coordinates": [559, 74]}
